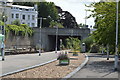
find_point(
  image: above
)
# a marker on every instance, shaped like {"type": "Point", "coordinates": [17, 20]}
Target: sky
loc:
{"type": "Point", "coordinates": [77, 9]}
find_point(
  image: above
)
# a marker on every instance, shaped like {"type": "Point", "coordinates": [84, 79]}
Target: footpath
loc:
{"type": "Point", "coordinates": [98, 67]}
{"type": "Point", "coordinates": [16, 62]}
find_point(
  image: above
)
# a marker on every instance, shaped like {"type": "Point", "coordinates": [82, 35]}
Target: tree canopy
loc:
{"type": "Point", "coordinates": [47, 10]}
{"type": "Point", "coordinates": [105, 22]}
{"type": "Point", "coordinates": [54, 24]}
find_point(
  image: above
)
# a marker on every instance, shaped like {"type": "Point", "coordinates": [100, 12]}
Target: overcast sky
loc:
{"type": "Point", "coordinates": [76, 8]}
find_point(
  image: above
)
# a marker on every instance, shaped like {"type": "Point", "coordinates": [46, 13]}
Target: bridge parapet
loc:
{"type": "Point", "coordinates": [64, 31]}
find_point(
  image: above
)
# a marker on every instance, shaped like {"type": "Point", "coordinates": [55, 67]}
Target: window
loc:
{"type": "Point", "coordinates": [33, 17]}
{"type": "Point", "coordinates": [20, 8]}
{"type": "Point", "coordinates": [17, 8]}
{"type": "Point", "coordinates": [27, 9]}
{"type": "Point", "coordinates": [1, 28]}
{"type": "Point", "coordinates": [17, 15]}
{"type": "Point", "coordinates": [28, 17]}
{"type": "Point", "coordinates": [33, 25]}
{"type": "Point", "coordinates": [29, 24]}
{"type": "Point", "coordinates": [23, 17]}
{"type": "Point", "coordinates": [12, 15]}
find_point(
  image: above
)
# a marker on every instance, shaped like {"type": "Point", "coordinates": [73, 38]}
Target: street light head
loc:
{"type": "Point", "coordinates": [55, 26]}
{"type": "Point", "coordinates": [44, 18]}
{"type": "Point", "coordinates": [3, 16]}
{"type": "Point", "coordinates": [49, 16]}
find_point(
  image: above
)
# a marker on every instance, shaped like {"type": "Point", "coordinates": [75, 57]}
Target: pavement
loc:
{"type": "Point", "coordinates": [98, 67]}
{"type": "Point", "coordinates": [16, 62]}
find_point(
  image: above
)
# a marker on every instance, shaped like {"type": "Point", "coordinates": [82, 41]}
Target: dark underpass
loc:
{"type": "Point", "coordinates": [60, 40]}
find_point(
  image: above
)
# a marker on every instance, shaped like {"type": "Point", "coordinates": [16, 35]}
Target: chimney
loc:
{"type": "Point", "coordinates": [36, 7]}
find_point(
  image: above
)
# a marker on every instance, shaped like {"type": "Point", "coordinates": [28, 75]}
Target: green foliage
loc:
{"type": "Point", "coordinates": [22, 30]}
{"type": "Point", "coordinates": [73, 43]}
{"type": "Point", "coordinates": [47, 10]}
{"type": "Point", "coordinates": [16, 22]}
{"type": "Point", "coordinates": [88, 42]}
{"type": "Point", "coordinates": [81, 25]}
{"type": "Point", "coordinates": [54, 23]}
{"type": "Point", "coordinates": [62, 56]}
{"type": "Point", "coordinates": [24, 3]}
{"type": "Point", "coordinates": [105, 22]}
{"type": "Point", "coordinates": [1, 23]}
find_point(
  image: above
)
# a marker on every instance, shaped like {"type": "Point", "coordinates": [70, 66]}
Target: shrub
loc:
{"type": "Point", "coordinates": [62, 57]}
{"type": "Point", "coordinates": [73, 43]}
{"type": "Point", "coordinates": [88, 42]}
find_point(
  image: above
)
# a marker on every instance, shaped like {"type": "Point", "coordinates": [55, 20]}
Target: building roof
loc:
{"type": "Point", "coordinates": [25, 7]}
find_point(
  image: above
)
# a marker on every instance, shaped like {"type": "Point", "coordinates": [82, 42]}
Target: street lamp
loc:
{"type": "Point", "coordinates": [85, 17]}
{"type": "Point", "coordinates": [116, 46]}
{"type": "Point", "coordinates": [40, 35]}
{"type": "Point", "coordinates": [56, 38]}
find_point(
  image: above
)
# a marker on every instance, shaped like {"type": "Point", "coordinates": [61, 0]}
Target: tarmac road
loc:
{"type": "Point", "coordinates": [98, 67]}
{"type": "Point", "coordinates": [17, 62]}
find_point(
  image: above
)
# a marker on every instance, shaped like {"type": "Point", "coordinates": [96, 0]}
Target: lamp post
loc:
{"type": "Point", "coordinates": [85, 17]}
{"type": "Point", "coordinates": [116, 46]}
{"type": "Point", "coordinates": [40, 41]}
{"type": "Point", "coordinates": [56, 39]}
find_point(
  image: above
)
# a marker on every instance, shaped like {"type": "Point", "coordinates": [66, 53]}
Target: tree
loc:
{"type": "Point", "coordinates": [88, 42]}
{"type": "Point", "coordinates": [21, 30]}
{"type": "Point", "coordinates": [1, 23]}
{"type": "Point", "coordinates": [73, 43]}
{"type": "Point", "coordinates": [47, 10]}
{"type": "Point", "coordinates": [31, 4]}
{"type": "Point", "coordinates": [67, 19]}
{"type": "Point", "coordinates": [16, 22]}
{"type": "Point", "coordinates": [54, 23]}
{"type": "Point", "coordinates": [105, 22]}
{"type": "Point", "coordinates": [81, 25]}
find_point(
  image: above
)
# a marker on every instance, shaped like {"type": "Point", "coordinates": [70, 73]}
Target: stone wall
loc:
{"type": "Point", "coordinates": [18, 41]}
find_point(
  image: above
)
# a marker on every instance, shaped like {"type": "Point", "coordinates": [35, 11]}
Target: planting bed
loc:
{"type": "Point", "coordinates": [51, 70]}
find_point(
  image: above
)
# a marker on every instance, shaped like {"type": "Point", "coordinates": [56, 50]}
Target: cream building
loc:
{"type": "Point", "coordinates": [25, 14]}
